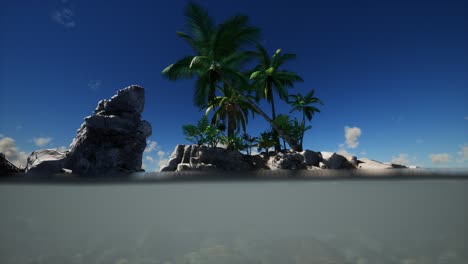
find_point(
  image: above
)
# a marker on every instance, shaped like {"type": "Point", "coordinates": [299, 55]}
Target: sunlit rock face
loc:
{"type": "Point", "coordinates": [114, 138]}
{"type": "Point", "coordinates": [46, 161]}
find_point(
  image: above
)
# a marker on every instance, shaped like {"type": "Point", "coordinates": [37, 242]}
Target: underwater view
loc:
{"type": "Point", "coordinates": [342, 221]}
{"type": "Point", "coordinates": [233, 132]}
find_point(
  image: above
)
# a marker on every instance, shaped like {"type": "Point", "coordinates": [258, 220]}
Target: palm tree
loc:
{"type": "Point", "coordinates": [217, 58]}
{"type": "Point", "coordinates": [268, 78]}
{"type": "Point", "coordinates": [304, 104]}
{"type": "Point", "coordinates": [216, 47]}
{"type": "Point", "coordinates": [230, 108]}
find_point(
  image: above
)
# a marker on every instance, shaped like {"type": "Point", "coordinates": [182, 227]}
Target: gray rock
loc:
{"type": "Point", "coordinates": [288, 161]}
{"type": "Point", "coordinates": [187, 154]}
{"type": "Point", "coordinates": [174, 159]}
{"type": "Point", "coordinates": [184, 167]}
{"type": "Point", "coordinates": [336, 161]}
{"type": "Point", "coordinates": [205, 158]}
{"type": "Point", "coordinates": [194, 162]}
{"type": "Point", "coordinates": [114, 138]}
{"type": "Point", "coordinates": [223, 159]}
{"type": "Point", "coordinates": [206, 167]}
{"type": "Point", "coordinates": [46, 161]}
{"type": "Point", "coordinates": [7, 168]}
{"type": "Point", "coordinates": [311, 158]}
{"type": "Point", "coordinates": [130, 100]}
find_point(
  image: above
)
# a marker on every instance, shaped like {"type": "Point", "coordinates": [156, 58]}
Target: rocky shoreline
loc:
{"type": "Point", "coordinates": [202, 158]}
{"type": "Point", "coordinates": [113, 139]}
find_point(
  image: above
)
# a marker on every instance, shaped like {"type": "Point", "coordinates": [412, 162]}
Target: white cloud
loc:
{"type": "Point", "coordinates": [150, 146]}
{"type": "Point", "coordinates": [352, 135]}
{"type": "Point", "coordinates": [95, 85]}
{"type": "Point", "coordinates": [12, 153]}
{"type": "Point", "coordinates": [440, 158]}
{"type": "Point", "coordinates": [150, 159]}
{"type": "Point", "coordinates": [153, 162]}
{"type": "Point", "coordinates": [466, 117]}
{"type": "Point", "coordinates": [42, 141]}
{"type": "Point", "coordinates": [401, 159]}
{"type": "Point", "coordinates": [363, 152]}
{"type": "Point", "coordinates": [162, 162]}
{"type": "Point", "coordinates": [64, 17]}
{"type": "Point", "coordinates": [463, 153]}
{"type": "Point", "coordinates": [1, 135]}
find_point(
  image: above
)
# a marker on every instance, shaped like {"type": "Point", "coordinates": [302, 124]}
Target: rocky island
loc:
{"type": "Point", "coordinates": [113, 140]}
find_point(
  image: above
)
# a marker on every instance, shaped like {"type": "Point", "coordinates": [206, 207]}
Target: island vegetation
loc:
{"type": "Point", "coordinates": [230, 92]}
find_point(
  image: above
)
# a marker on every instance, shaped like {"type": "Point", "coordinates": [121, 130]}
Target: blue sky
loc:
{"type": "Point", "coordinates": [395, 73]}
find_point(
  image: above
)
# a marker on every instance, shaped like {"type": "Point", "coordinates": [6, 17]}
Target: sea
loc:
{"type": "Point", "coordinates": [283, 218]}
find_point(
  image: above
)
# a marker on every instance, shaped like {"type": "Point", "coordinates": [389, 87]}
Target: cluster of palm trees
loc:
{"type": "Point", "coordinates": [223, 85]}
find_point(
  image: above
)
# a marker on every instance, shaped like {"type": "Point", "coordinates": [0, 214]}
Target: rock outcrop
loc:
{"type": "Point", "coordinates": [46, 161]}
{"type": "Point", "coordinates": [113, 139]}
{"type": "Point", "coordinates": [7, 168]}
{"type": "Point", "coordinates": [194, 157]}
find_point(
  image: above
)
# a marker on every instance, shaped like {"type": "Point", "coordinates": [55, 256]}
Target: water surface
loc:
{"type": "Point", "coordinates": [342, 221]}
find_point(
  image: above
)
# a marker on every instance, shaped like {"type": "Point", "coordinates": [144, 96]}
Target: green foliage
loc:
{"type": "Point", "coordinates": [292, 128]}
{"type": "Point", "coordinates": [203, 133]}
{"type": "Point", "coordinates": [249, 143]}
{"type": "Point", "coordinates": [217, 57]}
{"type": "Point", "coordinates": [266, 141]}
{"type": "Point", "coordinates": [234, 142]}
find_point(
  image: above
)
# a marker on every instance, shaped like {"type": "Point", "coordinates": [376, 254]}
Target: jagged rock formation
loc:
{"type": "Point", "coordinates": [193, 157]}
{"type": "Point", "coordinates": [113, 139]}
{"type": "Point", "coordinates": [7, 168]}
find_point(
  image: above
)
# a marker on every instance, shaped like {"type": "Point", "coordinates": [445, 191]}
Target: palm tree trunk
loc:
{"type": "Point", "coordinates": [276, 128]}
{"type": "Point", "coordinates": [292, 143]}
{"type": "Point", "coordinates": [273, 115]}
{"type": "Point", "coordinates": [303, 130]}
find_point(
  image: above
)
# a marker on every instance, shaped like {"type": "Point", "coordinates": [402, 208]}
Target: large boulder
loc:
{"type": "Point", "coordinates": [46, 161]}
{"type": "Point", "coordinates": [311, 158]}
{"type": "Point", "coordinates": [114, 138]}
{"type": "Point", "coordinates": [288, 161]}
{"type": "Point", "coordinates": [174, 159]}
{"type": "Point", "coordinates": [194, 157]}
{"type": "Point", "coordinates": [7, 168]}
{"type": "Point", "coordinates": [336, 161]}
{"type": "Point", "coordinates": [111, 140]}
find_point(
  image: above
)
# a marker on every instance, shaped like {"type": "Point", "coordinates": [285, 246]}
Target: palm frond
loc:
{"type": "Point", "coordinates": [179, 69]}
